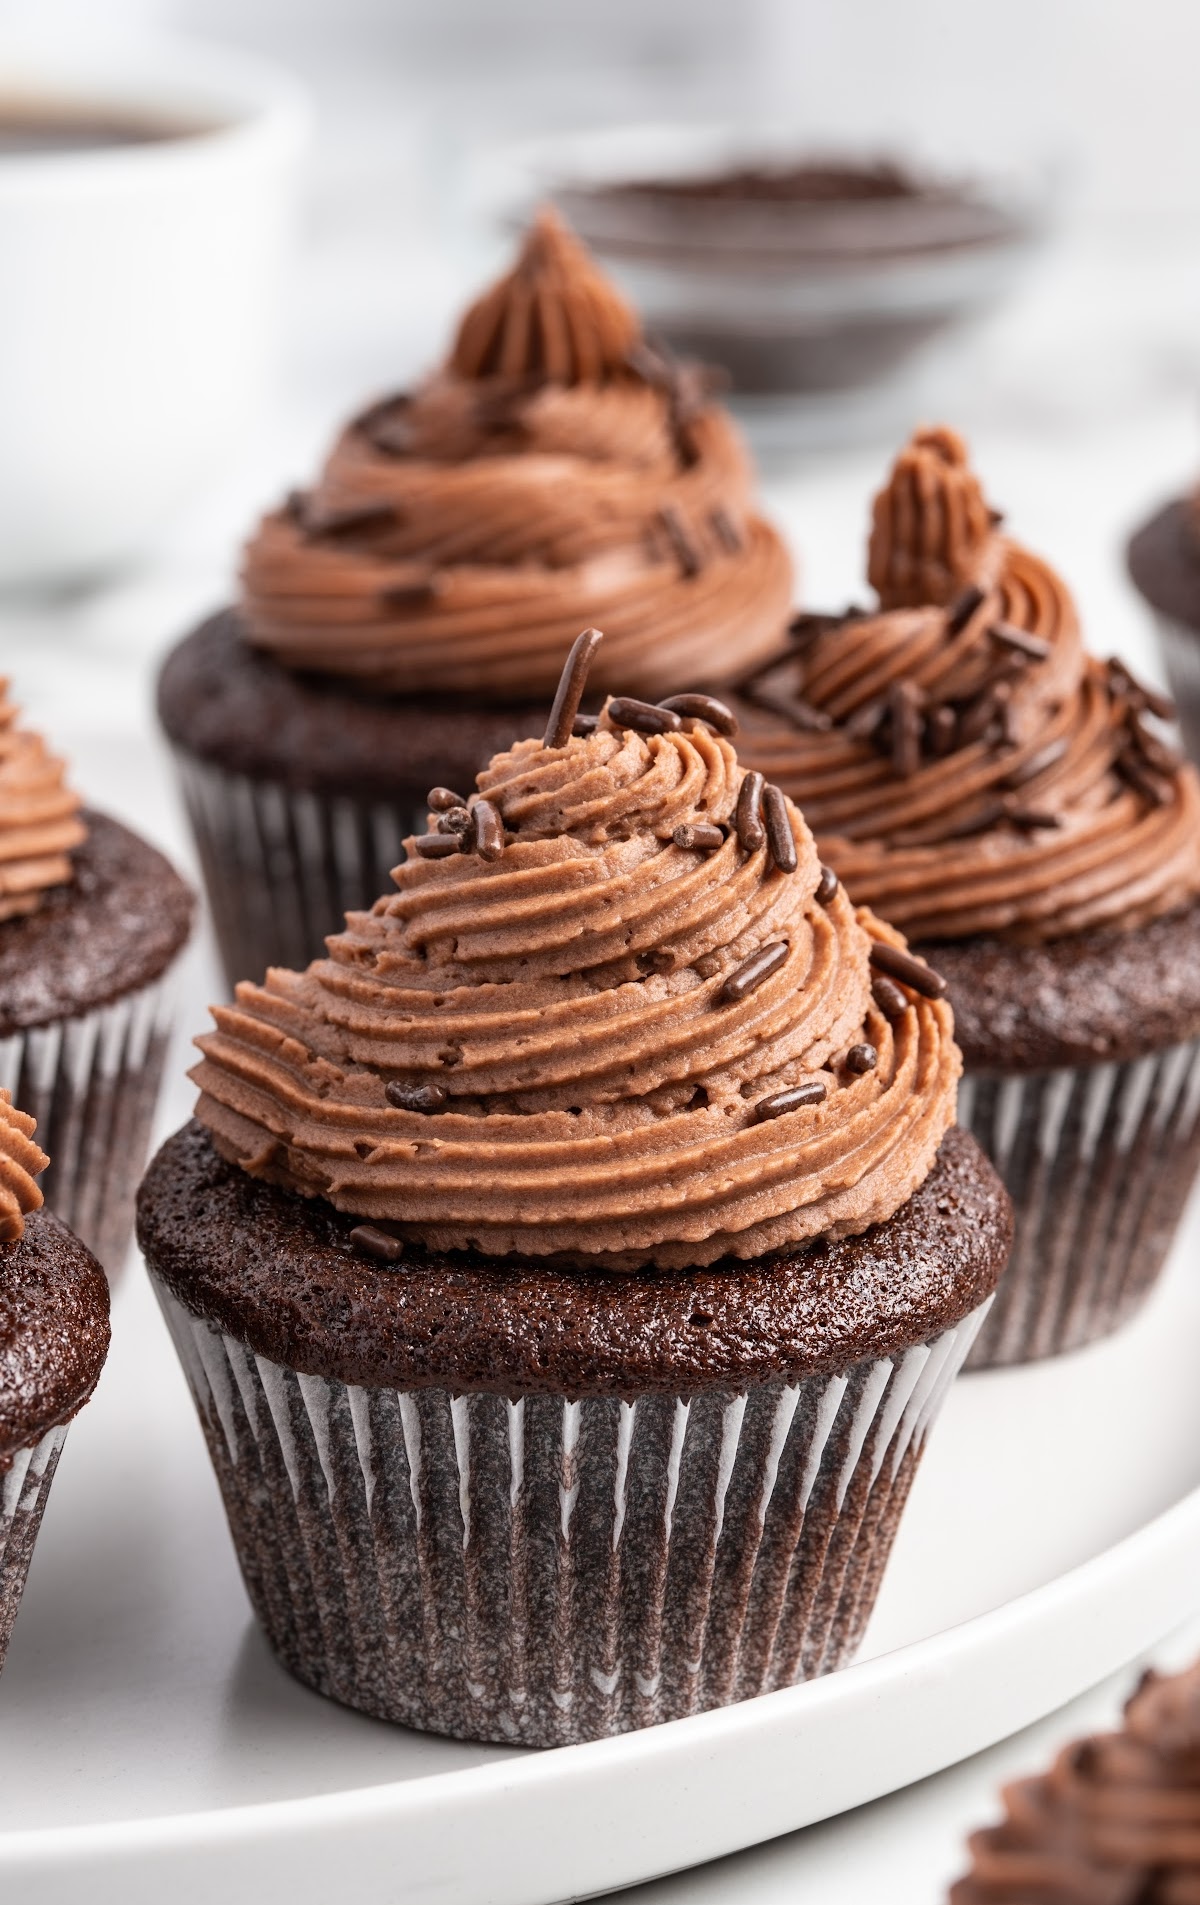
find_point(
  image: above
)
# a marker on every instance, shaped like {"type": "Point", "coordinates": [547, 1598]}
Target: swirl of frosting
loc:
{"type": "Point", "coordinates": [39, 817]}
{"type": "Point", "coordinates": [1115, 1820]}
{"type": "Point", "coordinates": [555, 473]}
{"type": "Point", "coordinates": [595, 1087]}
{"type": "Point", "coordinates": [966, 767]}
{"type": "Point", "coordinates": [21, 1160]}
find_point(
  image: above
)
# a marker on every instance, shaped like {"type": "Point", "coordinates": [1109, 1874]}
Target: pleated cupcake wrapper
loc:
{"type": "Point", "coordinates": [545, 1571]}
{"type": "Point", "coordinates": [1099, 1160]}
{"type": "Point", "coordinates": [282, 867]}
{"type": "Point", "coordinates": [1180, 647]}
{"type": "Point", "coordinates": [23, 1492]}
{"type": "Point", "coordinates": [92, 1083]}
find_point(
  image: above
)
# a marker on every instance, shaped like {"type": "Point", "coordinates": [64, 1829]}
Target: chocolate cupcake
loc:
{"type": "Point", "coordinates": [405, 619]}
{"type": "Point", "coordinates": [569, 1266]}
{"type": "Point", "coordinates": [1011, 804]}
{"type": "Point", "coordinates": [1164, 562]}
{"type": "Point", "coordinates": [53, 1341]}
{"type": "Point", "coordinates": [1116, 1820]}
{"type": "Point", "coordinates": [91, 922]}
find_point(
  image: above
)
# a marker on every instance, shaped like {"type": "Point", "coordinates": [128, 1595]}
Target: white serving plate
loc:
{"type": "Point", "coordinates": [150, 1746]}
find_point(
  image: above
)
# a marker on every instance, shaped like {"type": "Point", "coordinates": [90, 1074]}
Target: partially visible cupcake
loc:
{"type": "Point", "coordinates": [1116, 1820]}
{"type": "Point", "coordinates": [405, 618]}
{"type": "Point", "coordinates": [569, 1266]}
{"type": "Point", "coordinates": [1012, 805]}
{"type": "Point", "coordinates": [53, 1342]}
{"type": "Point", "coordinates": [91, 922]}
{"type": "Point", "coordinates": [1164, 562]}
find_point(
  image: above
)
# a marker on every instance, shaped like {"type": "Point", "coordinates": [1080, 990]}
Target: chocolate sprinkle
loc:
{"type": "Point", "coordinates": [571, 684]}
{"type": "Point", "coordinates": [888, 997]}
{"type": "Point", "coordinates": [337, 522]}
{"type": "Point", "coordinates": [704, 708]}
{"type": "Point", "coordinates": [963, 608]}
{"type": "Point", "coordinates": [861, 1058]}
{"type": "Point", "coordinates": [699, 837]}
{"type": "Point", "coordinates": [747, 977]}
{"type": "Point", "coordinates": [894, 963]}
{"type": "Point", "coordinates": [426, 1098]}
{"type": "Point", "coordinates": [778, 823]}
{"type": "Point", "coordinates": [1032, 819]}
{"type": "Point", "coordinates": [1124, 681]}
{"type": "Point", "coordinates": [683, 548]}
{"type": "Point", "coordinates": [583, 725]}
{"type": "Point", "coordinates": [725, 530]}
{"type": "Point", "coordinates": [440, 800]}
{"type": "Point", "coordinates": [624, 711]}
{"type": "Point", "coordinates": [781, 1102]}
{"type": "Point", "coordinates": [405, 595]}
{"type": "Point", "coordinates": [437, 846]}
{"type": "Point", "coordinates": [827, 886]}
{"type": "Point", "coordinates": [376, 1243]}
{"type": "Point", "coordinates": [748, 818]}
{"type": "Point", "coordinates": [904, 707]}
{"type": "Point", "coordinates": [1142, 779]}
{"type": "Point", "coordinates": [1019, 639]}
{"type": "Point", "coordinates": [456, 820]}
{"type": "Point", "coordinates": [941, 728]}
{"type": "Point", "coordinates": [979, 714]}
{"type": "Point", "coordinates": [488, 830]}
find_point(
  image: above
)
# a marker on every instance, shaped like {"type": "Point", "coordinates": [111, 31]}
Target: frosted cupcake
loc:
{"type": "Point", "coordinates": [1164, 564]}
{"type": "Point", "coordinates": [1115, 1821]}
{"type": "Point", "coordinates": [406, 617]}
{"type": "Point", "coordinates": [568, 1267]}
{"type": "Point", "coordinates": [53, 1342]}
{"type": "Point", "coordinates": [1011, 803]}
{"type": "Point", "coordinates": [92, 920]}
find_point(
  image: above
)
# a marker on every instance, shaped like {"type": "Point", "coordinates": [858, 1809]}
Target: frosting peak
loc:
{"type": "Point", "coordinates": [39, 816]}
{"type": "Point", "coordinates": [1116, 1819]}
{"type": "Point", "coordinates": [554, 473]}
{"type": "Point", "coordinates": [605, 1029]}
{"type": "Point", "coordinates": [966, 766]}
{"type": "Point", "coordinates": [554, 318]}
{"type": "Point", "coordinates": [21, 1160]}
{"type": "Point", "coordinates": [931, 524]}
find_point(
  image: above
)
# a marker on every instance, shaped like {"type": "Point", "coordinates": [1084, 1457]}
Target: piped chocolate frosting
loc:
{"type": "Point", "coordinates": [555, 471]}
{"type": "Point", "coordinates": [39, 817]}
{"type": "Point", "coordinates": [21, 1161]}
{"type": "Point", "coordinates": [1116, 1820]}
{"type": "Point", "coordinates": [609, 1021]}
{"type": "Point", "coordinates": [965, 765]}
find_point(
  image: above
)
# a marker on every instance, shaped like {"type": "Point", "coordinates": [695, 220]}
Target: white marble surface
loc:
{"type": "Point", "coordinates": [1080, 407]}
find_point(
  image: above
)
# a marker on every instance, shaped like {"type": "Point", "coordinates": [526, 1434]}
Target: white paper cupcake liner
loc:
{"type": "Point", "coordinates": [1180, 647]}
{"type": "Point", "coordinates": [1099, 1160]}
{"type": "Point", "coordinates": [544, 1571]}
{"type": "Point", "coordinates": [23, 1492]}
{"type": "Point", "coordinates": [92, 1084]}
{"type": "Point", "coordinates": [282, 866]}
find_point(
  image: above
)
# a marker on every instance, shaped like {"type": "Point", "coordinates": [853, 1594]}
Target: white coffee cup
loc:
{"type": "Point", "coordinates": [139, 293]}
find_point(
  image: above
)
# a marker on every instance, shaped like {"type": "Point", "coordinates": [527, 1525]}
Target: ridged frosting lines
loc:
{"type": "Point", "coordinates": [21, 1161]}
{"type": "Point", "coordinates": [570, 998]}
{"type": "Point", "coordinates": [39, 816]}
{"type": "Point", "coordinates": [1116, 1819]}
{"type": "Point", "coordinates": [964, 764]}
{"type": "Point", "coordinates": [459, 536]}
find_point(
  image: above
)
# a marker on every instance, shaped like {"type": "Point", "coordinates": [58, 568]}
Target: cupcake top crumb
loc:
{"type": "Point", "coordinates": [616, 1012]}
{"type": "Point", "coordinates": [964, 763]}
{"type": "Point", "coordinates": [40, 821]}
{"type": "Point", "coordinates": [1116, 1818]}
